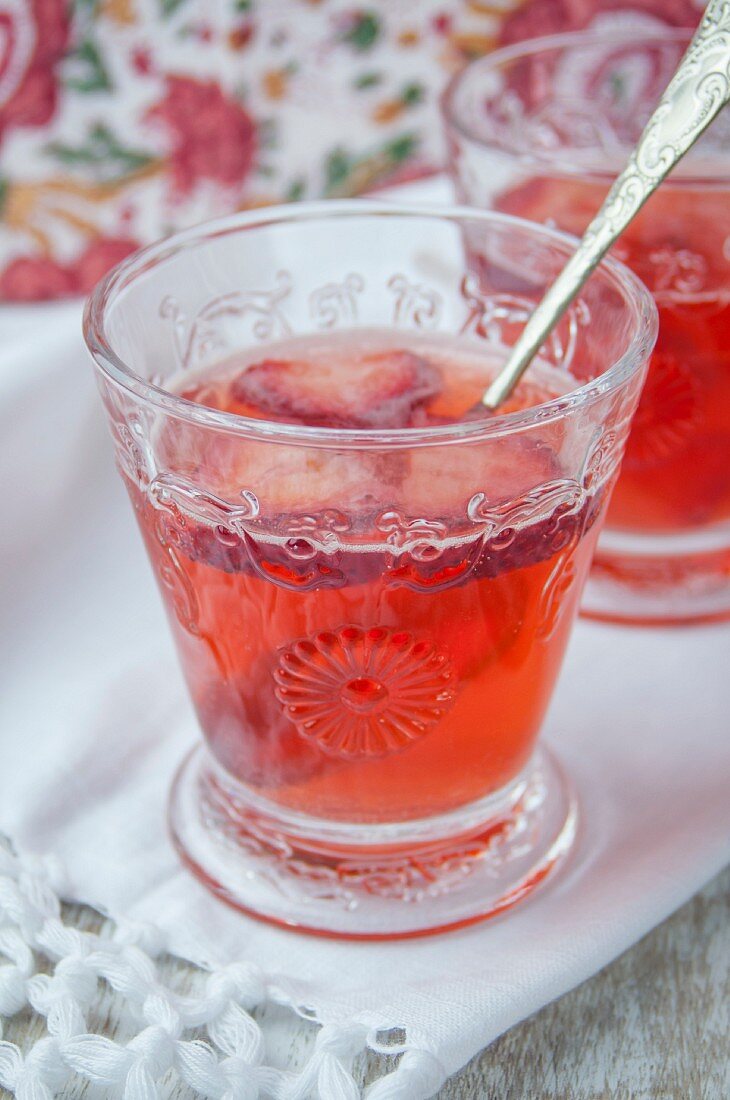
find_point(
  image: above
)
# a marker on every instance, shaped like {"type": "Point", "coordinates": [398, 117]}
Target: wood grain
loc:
{"type": "Point", "coordinates": [652, 1026]}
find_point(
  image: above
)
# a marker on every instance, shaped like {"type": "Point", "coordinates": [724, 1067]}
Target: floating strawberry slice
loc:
{"type": "Point", "coordinates": [509, 484]}
{"type": "Point", "coordinates": [442, 480]}
{"type": "Point", "coordinates": [377, 390]}
{"type": "Point", "coordinates": [507, 500]}
{"type": "Point", "coordinates": [313, 503]}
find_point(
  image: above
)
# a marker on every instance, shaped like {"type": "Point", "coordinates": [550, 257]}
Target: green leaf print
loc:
{"type": "Point", "coordinates": [169, 7]}
{"type": "Point", "coordinates": [412, 94]}
{"type": "Point", "coordinates": [337, 168]}
{"type": "Point", "coordinates": [345, 174]}
{"type": "Point", "coordinates": [4, 187]}
{"type": "Point", "coordinates": [363, 32]}
{"type": "Point", "coordinates": [84, 70]}
{"type": "Point", "coordinates": [296, 189]}
{"type": "Point", "coordinates": [107, 158]}
{"type": "Point", "coordinates": [367, 80]}
{"type": "Point", "coordinates": [401, 148]}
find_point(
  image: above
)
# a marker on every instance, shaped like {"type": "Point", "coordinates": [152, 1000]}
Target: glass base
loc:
{"type": "Point", "coordinates": [660, 581]}
{"type": "Point", "coordinates": [371, 881]}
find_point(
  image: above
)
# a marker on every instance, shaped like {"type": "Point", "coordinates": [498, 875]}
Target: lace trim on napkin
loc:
{"type": "Point", "coordinates": [229, 1065]}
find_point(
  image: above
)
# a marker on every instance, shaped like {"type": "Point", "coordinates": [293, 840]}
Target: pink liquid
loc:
{"type": "Point", "coordinates": [361, 649]}
{"type": "Point", "coordinates": [675, 472]}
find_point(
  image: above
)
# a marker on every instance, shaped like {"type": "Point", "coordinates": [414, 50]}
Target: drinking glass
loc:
{"type": "Point", "coordinates": [541, 129]}
{"type": "Point", "coordinates": [370, 620]}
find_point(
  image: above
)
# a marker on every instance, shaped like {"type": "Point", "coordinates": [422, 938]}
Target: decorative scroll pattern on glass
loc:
{"type": "Point", "coordinates": [498, 318]}
{"type": "Point", "coordinates": [559, 583]}
{"type": "Point", "coordinates": [416, 305]}
{"type": "Point", "coordinates": [554, 500]}
{"type": "Point", "coordinates": [316, 533]}
{"type": "Point", "coordinates": [182, 498]}
{"type": "Point", "coordinates": [197, 340]}
{"type": "Point", "coordinates": [677, 272]}
{"type": "Point", "coordinates": [336, 303]}
{"type": "Point", "coordinates": [166, 560]}
{"type": "Point", "coordinates": [130, 435]}
{"type": "Point", "coordinates": [349, 882]}
{"type": "Point", "coordinates": [420, 538]}
{"type": "Point", "coordinates": [604, 457]}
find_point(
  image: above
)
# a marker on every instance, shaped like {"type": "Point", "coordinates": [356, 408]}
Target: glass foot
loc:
{"type": "Point", "coordinates": [371, 881]}
{"type": "Point", "coordinates": [659, 581]}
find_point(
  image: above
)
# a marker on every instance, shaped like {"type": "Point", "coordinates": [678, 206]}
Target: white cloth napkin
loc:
{"type": "Point", "coordinates": [94, 719]}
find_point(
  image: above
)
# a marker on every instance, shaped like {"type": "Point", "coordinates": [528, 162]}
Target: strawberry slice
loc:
{"type": "Point", "coordinates": [509, 484]}
{"type": "Point", "coordinates": [442, 480]}
{"type": "Point", "coordinates": [378, 390]}
{"type": "Point", "coordinates": [311, 503]}
{"type": "Point", "coordinates": [507, 500]}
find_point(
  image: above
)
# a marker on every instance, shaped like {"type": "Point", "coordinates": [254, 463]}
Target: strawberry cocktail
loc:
{"type": "Point", "coordinates": [550, 123]}
{"type": "Point", "coordinates": [371, 586]}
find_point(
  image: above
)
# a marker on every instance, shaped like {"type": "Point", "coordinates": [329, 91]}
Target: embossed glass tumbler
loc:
{"type": "Point", "coordinates": [540, 130]}
{"type": "Point", "coordinates": [370, 596]}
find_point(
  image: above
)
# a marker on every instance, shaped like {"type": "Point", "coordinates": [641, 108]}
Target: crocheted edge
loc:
{"type": "Point", "coordinates": [230, 1065]}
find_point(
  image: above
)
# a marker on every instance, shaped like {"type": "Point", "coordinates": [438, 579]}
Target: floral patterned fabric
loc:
{"type": "Point", "coordinates": [121, 120]}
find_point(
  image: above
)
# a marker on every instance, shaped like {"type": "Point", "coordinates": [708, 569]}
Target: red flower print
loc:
{"type": "Point", "coordinates": [203, 32]}
{"type": "Point", "coordinates": [538, 17]}
{"type": "Point", "coordinates": [35, 279]}
{"type": "Point", "coordinates": [240, 36]}
{"type": "Point", "coordinates": [142, 61]}
{"type": "Point", "coordinates": [38, 278]}
{"type": "Point", "coordinates": [98, 257]}
{"type": "Point", "coordinates": [33, 39]}
{"type": "Point", "coordinates": [442, 23]}
{"type": "Point", "coordinates": [212, 136]}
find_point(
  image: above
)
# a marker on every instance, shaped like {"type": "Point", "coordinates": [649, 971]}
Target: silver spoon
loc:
{"type": "Point", "coordinates": [695, 95]}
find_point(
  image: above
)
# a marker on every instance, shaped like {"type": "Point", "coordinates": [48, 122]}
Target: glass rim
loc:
{"type": "Point", "coordinates": [634, 295]}
{"type": "Point", "coordinates": [560, 159]}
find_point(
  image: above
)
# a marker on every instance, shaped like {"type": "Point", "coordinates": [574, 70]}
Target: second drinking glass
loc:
{"type": "Point", "coordinates": [540, 130]}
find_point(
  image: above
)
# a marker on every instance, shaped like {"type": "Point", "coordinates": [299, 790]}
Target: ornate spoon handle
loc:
{"type": "Point", "coordinates": [697, 92]}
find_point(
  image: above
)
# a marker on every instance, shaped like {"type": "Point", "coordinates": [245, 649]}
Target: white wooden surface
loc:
{"type": "Point", "coordinates": [655, 1025]}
